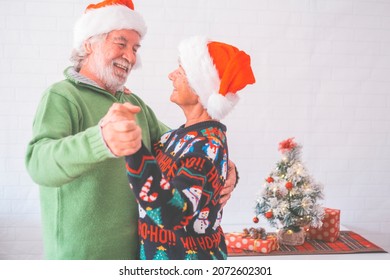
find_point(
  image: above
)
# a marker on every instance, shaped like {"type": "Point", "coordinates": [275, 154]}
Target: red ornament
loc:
{"type": "Point", "coordinates": [255, 220]}
{"type": "Point", "coordinates": [270, 179]}
{"type": "Point", "coordinates": [289, 185]}
{"type": "Point", "coordinates": [269, 214]}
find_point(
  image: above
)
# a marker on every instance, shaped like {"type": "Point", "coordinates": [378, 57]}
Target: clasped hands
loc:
{"type": "Point", "coordinates": [120, 130]}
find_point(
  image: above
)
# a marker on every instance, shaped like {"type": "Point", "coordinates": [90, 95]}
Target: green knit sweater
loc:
{"type": "Point", "coordinates": [88, 209]}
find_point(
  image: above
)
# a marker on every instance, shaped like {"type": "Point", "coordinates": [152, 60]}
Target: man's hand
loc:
{"type": "Point", "coordinates": [230, 184]}
{"type": "Point", "coordinates": [120, 131]}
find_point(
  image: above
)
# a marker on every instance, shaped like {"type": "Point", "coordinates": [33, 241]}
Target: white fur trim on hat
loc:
{"type": "Point", "coordinates": [106, 19]}
{"type": "Point", "coordinates": [218, 106]}
{"type": "Point", "coordinates": [203, 77]}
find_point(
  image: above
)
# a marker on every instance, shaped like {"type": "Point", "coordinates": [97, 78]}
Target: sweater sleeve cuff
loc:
{"type": "Point", "coordinates": [97, 143]}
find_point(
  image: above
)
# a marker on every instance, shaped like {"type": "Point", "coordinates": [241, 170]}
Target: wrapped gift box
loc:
{"type": "Point", "coordinates": [238, 240]}
{"type": "Point", "coordinates": [330, 229]}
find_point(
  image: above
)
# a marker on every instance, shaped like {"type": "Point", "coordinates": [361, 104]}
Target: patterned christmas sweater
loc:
{"type": "Point", "coordinates": [178, 188]}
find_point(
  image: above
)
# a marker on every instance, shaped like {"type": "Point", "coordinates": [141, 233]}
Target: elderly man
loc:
{"type": "Point", "coordinates": [83, 127]}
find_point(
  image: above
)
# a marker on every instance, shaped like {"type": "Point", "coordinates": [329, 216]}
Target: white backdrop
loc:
{"type": "Point", "coordinates": [323, 77]}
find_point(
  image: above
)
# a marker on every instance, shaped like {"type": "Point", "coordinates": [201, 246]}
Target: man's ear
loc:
{"type": "Point", "coordinates": [88, 47]}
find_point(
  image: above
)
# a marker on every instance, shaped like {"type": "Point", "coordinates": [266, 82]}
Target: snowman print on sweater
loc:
{"type": "Point", "coordinates": [202, 223]}
{"type": "Point", "coordinates": [193, 193]}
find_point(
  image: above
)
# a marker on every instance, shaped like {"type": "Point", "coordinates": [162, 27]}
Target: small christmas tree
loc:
{"type": "Point", "coordinates": [191, 255]}
{"type": "Point", "coordinates": [289, 198]}
{"type": "Point", "coordinates": [177, 200]}
{"type": "Point", "coordinates": [142, 253]}
{"type": "Point", "coordinates": [155, 215]}
{"type": "Point", "coordinates": [160, 254]}
{"type": "Point", "coordinates": [223, 254]}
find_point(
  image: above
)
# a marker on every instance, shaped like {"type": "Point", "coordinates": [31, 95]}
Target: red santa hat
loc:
{"type": "Point", "coordinates": [216, 71]}
{"type": "Point", "coordinates": [107, 16]}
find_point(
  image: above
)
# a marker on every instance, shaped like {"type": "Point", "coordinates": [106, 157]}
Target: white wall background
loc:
{"type": "Point", "coordinates": [323, 76]}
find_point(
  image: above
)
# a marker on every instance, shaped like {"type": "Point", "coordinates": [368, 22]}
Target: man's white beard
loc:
{"type": "Point", "coordinates": [113, 80]}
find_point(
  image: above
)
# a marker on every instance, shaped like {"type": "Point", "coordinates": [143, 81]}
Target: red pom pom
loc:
{"type": "Point", "coordinates": [255, 220]}
{"type": "Point", "coordinates": [289, 185]}
{"type": "Point", "coordinates": [269, 179]}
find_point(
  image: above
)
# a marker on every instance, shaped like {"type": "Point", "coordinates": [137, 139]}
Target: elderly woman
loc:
{"type": "Point", "coordinates": [178, 183]}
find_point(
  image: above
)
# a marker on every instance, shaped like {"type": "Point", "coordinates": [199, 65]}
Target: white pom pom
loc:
{"type": "Point", "coordinates": [218, 106]}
